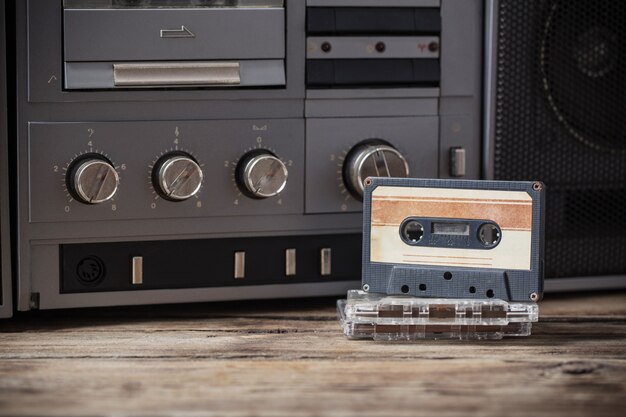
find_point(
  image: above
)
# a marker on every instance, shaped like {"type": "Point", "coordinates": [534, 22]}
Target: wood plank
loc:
{"type": "Point", "coordinates": [279, 339]}
{"type": "Point", "coordinates": [289, 358]}
{"type": "Point", "coordinates": [569, 305]}
{"type": "Point", "coordinates": [612, 303]}
{"type": "Point", "coordinates": [305, 388]}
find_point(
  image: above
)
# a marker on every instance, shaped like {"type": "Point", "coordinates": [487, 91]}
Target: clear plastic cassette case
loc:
{"type": "Point", "coordinates": [379, 317]}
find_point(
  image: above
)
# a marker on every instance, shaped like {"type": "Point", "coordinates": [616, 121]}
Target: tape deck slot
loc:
{"type": "Point", "coordinates": [364, 20]}
{"type": "Point", "coordinates": [234, 44]}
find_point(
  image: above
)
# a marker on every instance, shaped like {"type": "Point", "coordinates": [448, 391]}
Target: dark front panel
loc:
{"type": "Point", "coordinates": [370, 72]}
{"type": "Point", "coordinates": [203, 263]}
{"type": "Point", "coordinates": [365, 20]}
{"type": "Point", "coordinates": [560, 103]}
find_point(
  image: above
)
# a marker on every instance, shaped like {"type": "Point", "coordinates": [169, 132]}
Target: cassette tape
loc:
{"type": "Point", "coordinates": [453, 238]}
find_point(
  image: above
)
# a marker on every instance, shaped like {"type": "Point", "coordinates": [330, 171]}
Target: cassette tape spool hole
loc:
{"type": "Point", "coordinates": [412, 231]}
{"type": "Point", "coordinates": [489, 235]}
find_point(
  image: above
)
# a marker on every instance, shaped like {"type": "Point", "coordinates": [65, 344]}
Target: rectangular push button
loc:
{"type": "Point", "coordinates": [137, 273]}
{"type": "Point", "coordinates": [325, 262]}
{"type": "Point", "coordinates": [290, 262]}
{"type": "Point", "coordinates": [240, 265]}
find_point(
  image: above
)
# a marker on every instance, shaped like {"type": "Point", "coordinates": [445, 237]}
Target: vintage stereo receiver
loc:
{"type": "Point", "coordinates": [192, 150]}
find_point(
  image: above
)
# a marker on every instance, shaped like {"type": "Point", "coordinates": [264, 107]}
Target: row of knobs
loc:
{"type": "Point", "coordinates": [177, 176]}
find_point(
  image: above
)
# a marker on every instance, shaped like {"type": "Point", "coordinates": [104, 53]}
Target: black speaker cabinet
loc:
{"type": "Point", "coordinates": [556, 111]}
{"type": "Point", "coordinates": [6, 309]}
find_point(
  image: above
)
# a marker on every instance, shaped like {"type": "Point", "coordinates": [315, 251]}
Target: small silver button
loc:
{"type": "Point", "coordinates": [290, 262]}
{"type": "Point", "coordinates": [325, 262]}
{"type": "Point", "coordinates": [240, 265]}
{"type": "Point", "coordinates": [137, 274]}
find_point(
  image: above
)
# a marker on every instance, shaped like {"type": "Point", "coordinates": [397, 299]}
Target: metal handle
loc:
{"type": "Point", "coordinates": [178, 73]}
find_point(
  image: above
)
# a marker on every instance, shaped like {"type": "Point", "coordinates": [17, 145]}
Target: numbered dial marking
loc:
{"type": "Point", "coordinates": [177, 176]}
{"type": "Point", "coordinates": [261, 174]}
{"type": "Point", "coordinates": [372, 158]}
{"type": "Point", "coordinates": [92, 179]}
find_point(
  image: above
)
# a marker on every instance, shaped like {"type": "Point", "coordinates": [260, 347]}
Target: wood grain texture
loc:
{"type": "Point", "coordinates": [289, 358]}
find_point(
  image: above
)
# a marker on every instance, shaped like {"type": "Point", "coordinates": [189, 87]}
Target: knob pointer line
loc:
{"type": "Point", "coordinates": [182, 179]}
{"type": "Point", "coordinates": [97, 186]}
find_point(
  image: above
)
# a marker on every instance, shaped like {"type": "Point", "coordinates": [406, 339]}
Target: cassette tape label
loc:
{"type": "Point", "coordinates": [510, 211]}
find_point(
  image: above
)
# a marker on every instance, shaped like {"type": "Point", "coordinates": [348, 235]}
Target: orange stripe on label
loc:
{"type": "Point", "coordinates": [516, 216]}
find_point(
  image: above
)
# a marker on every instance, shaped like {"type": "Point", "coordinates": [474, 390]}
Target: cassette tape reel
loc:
{"type": "Point", "coordinates": [453, 238]}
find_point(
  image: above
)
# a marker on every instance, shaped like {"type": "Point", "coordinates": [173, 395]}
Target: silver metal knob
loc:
{"type": "Point", "coordinates": [372, 158]}
{"type": "Point", "coordinates": [93, 180]}
{"type": "Point", "coordinates": [261, 174]}
{"type": "Point", "coordinates": [177, 176]}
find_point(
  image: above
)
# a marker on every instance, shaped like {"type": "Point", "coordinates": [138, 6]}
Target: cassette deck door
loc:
{"type": "Point", "coordinates": [173, 34]}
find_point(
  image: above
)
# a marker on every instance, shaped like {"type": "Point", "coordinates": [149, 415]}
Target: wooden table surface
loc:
{"type": "Point", "coordinates": [290, 358]}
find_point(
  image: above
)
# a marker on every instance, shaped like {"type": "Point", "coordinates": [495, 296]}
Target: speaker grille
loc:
{"type": "Point", "coordinates": [560, 117]}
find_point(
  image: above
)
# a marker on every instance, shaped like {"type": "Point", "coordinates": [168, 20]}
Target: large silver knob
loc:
{"type": "Point", "coordinates": [177, 176]}
{"type": "Point", "coordinates": [261, 174]}
{"type": "Point", "coordinates": [372, 158]}
{"type": "Point", "coordinates": [92, 179]}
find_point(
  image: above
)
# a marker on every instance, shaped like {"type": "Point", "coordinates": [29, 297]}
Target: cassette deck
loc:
{"type": "Point", "coordinates": [179, 151]}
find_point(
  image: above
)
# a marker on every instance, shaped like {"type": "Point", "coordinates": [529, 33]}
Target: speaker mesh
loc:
{"type": "Point", "coordinates": [560, 117]}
